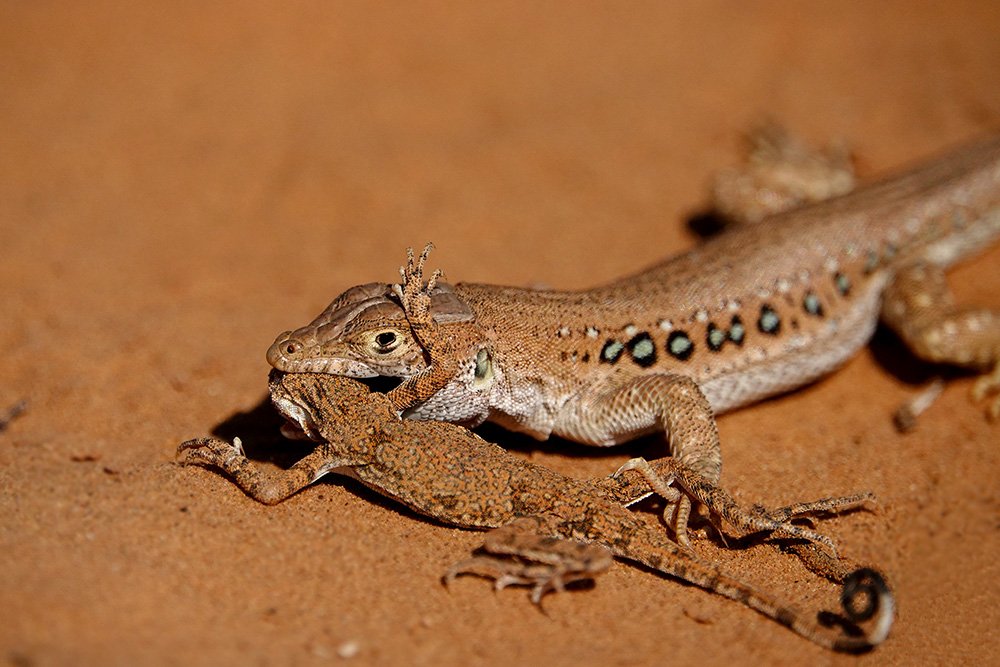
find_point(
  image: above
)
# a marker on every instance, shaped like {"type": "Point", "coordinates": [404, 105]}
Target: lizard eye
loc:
{"type": "Point", "coordinates": [386, 341]}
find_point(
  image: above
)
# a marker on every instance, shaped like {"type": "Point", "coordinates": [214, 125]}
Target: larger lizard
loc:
{"type": "Point", "coordinates": [754, 312]}
{"type": "Point", "coordinates": [550, 529]}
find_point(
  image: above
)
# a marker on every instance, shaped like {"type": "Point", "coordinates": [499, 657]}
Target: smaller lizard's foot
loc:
{"type": "Point", "coordinates": [989, 385]}
{"type": "Point", "coordinates": [517, 555]}
{"type": "Point", "coordinates": [213, 453]}
{"type": "Point", "coordinates": [413, 295]}
{"type": "Point", "coordinates": [266, 487]}
{"type": "Point", "coordinates": [541, 577]}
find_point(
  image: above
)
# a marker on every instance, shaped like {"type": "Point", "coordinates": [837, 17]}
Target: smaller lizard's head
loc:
{"type": "Point", "coordinates": [364, 333]}
{"type": "Point", "coordinates": [320, 407]}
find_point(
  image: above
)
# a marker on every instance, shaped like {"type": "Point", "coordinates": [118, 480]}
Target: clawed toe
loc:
{"type": "Point", "coordinates": [413, 295]}
{"type": "Point", "coordinates": [986, 386]}
{"type": "Point", "coordinates": [209, 452]}
{"type": "Point", "coordinates": [543, 578]}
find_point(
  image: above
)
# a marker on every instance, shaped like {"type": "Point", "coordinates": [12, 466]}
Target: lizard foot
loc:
{"type": "Point", "coordinates": [266, 487]}
{"type": "Point", "coordinates": [411, 292]}
{"type": "Point", "coordinates": [663, 473]}
{"type": "Point", "coordinates": [213, 453]}
{"type": "Point", "coordinates": [780, 173]}
{"type": "Point", "coordinates": [905, 417]}
{"type": "Point", "coordinates": [542, 577]}
{"type": "Point", "coordinates": [513, 555]}
{"type": "Point", "coordinates": [985, 386]}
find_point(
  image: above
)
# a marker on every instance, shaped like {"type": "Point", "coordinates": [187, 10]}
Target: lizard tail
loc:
{"type": "Point", "coordinates": [869, 607]}
{"type": "Point", "coordinates": [869, 586]}
{"type": "Point", "coordinates": [865, 598]}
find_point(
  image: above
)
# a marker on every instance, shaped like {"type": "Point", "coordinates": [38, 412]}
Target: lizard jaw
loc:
{"type": "Point", "coordinates": [328, 366]}
{"type": "Point", "coordinates": [300, 424]}
{"type": "Point", "coordinates": [283, 352]}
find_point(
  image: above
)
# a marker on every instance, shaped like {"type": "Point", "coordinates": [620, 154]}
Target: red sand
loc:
{"type": "Point", "coordinates": [178, 185]}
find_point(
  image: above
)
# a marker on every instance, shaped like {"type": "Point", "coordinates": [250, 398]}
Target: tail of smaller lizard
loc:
{"type": "Point", "coordinates": [867, 585]}
{"type": "Point", "coordinates": [865, 598]}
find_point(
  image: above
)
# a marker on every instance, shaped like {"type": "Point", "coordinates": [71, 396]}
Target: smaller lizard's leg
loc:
{"type": "Point", "coordinates": [521, 553]}
{"type": "Point", "coordinates": [780, 174]}
{"type": "Point", "coordinates": [919, 306]}
{"type": "Point", "coordinates": [269, 488]}
{"type": "Point", "coordinates": [415, 298]}
{"type": "Point", "coordinates": [675, 404]}
{"type": "Point", "coordinates": [660, 474]}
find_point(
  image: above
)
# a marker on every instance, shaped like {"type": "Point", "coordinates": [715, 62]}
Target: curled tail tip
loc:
{"type": "Point", "coordinates": [867, 596]}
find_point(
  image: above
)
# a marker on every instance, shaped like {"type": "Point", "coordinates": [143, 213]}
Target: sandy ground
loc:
{"type": "Point", "coordinates": [178, 184]}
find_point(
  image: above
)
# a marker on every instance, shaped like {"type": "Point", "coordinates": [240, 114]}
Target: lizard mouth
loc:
{"type": "Point", "coordinates": [319, 364]}
{"type": "Point", "coordinates": [300, 423]}
{"type": "Point", "coordinates": [300, 419]}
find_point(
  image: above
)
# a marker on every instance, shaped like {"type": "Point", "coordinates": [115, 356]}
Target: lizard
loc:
{"type": "Point", "coordinates": [761, 309]}
{"type": "Point", "coordinates": [548, 529]}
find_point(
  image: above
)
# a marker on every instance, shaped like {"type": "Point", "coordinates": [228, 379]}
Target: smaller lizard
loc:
{"type": "Point", "coordinates": [549, 529]}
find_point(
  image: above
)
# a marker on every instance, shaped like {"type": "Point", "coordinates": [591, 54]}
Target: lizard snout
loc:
{"type": "Point", "coordinates": [284, 350]}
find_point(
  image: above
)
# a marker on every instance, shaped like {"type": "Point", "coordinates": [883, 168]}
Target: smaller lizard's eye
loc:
{"type": "Point", "coordinates": [386, 341]}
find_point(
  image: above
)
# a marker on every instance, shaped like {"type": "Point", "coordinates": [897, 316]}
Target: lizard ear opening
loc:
{"type": "Point", "coordinates": [447, 307]}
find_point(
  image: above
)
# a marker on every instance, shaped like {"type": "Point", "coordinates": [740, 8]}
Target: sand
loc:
{"type": "Point", "coordinates": [180, 183]}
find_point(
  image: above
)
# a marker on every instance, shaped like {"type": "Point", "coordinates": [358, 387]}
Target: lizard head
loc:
{"type": "Point", "coordinates": [363, 333]}
{"type": "Point", "coordinates": [315, 404]}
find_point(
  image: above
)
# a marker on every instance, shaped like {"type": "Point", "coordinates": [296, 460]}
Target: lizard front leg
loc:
{"type": "Point", "coordinates": [780, 173]}
{"type": "Point", "coordinates": [666, 402]}
{"type": "Point", "coordinates": [522, 553]}
{"type": "Point", "coordinates": [919, 306]}
{"type": "Point", "coordinates": [439, 342]}
{"type": "Point", "coordinates": [659, 475]}
{"type": "Point", "coordinates": [268, 488]}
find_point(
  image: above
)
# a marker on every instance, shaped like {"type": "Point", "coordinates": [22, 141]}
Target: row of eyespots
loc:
{"type": "Point", "coordinates": [679, 345]}
{"type": "Point", "coordinates": [642, 348]}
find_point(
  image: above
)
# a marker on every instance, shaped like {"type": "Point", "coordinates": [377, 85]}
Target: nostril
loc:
{"type": "Point", "coordinates": [284, 350]}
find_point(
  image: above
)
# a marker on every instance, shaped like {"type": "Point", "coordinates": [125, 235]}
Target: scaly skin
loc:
{"type": "Point", "coordinates": [757, 311]}
{"type": "Point", "coordinates": [551, 529]}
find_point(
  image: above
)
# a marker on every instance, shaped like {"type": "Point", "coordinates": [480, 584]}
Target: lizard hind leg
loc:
{"type": "Point", "coordinates": [521, 554]}
{"type": "Point", "coordinates": [661, 473]}
{"type": "Point", "coordinates": [920, 308]}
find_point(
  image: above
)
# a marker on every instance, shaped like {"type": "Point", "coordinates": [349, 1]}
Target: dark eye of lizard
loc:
{"type": "Point", "coordinates": [386, 340]}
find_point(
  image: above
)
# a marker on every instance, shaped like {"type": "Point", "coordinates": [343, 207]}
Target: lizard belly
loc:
{"type": "Point", "coordinates": [756, 374]}
{"type": "Point", "coordinates": [802, 360]}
